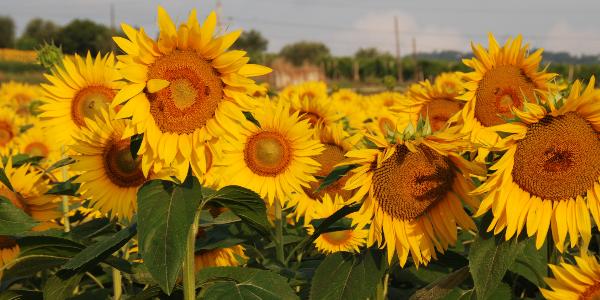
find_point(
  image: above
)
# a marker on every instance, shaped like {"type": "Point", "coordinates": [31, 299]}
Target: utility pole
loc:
{"type": "Point", "coordinates": [415, 61]}
{"type": "Point", "coordinates": [398, 58]}
{"type": "Point", "coordinates": [112, 16]}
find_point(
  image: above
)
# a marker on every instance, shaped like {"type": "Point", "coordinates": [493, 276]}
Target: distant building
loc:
{"type": "Point", "coordinates": [285, 73]}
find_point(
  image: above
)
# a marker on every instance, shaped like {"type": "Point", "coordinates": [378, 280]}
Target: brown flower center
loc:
{"type": "Point", "coordinates": [119, 165]}
{"type": "Point", "coordinates": [500, 89]}
{"type": "Point", "coordinates": [559, 158]}
{"type": "Point", "coordinates": [37, 149]}
{"type": "Point", "coordinates": [331, 156]}
{"type": "Point", "coordinates": [192, 97]}
{"type": "Point", "coordinates": [267, 153]}
{"type": "Point", "coordinates": [592, 292]}
{"type": "Point", "coordinates": [7, 242]}
{"type": "Point", "coordinates": [439, 111]}
{"type": "Point", "coordinates": [89, 101]}
{"type": "Point", "coordinates": [6, 133]}
{"type": "Point", "coordinates": [408, 183]}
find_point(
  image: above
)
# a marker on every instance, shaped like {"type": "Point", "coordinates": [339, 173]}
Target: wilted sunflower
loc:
{"type": "Point", "coordinates": [35, 142]}
{"type": "Point", "coordinates": [414, 191]}
{"type": "Point", "coordinates": [549, 175]}
{"type": "Point", "coordinates": [574, 282]}
{"type": "Point", "coordinates": [274, 159]}
{"type": "Point", "coordinates": [109, 175]}
{"type": "Point", "coordinates": [436, 100]}
{"type": "Point", "coordinates": [78, 89]}
{"type": "Point", "coordinates": [336, 142]}
{"type": "Point", "coordinates": [181, 88]}
{"type": "Point", "coordinates": [503, 77]}
{"type": "Point", "coordinates": [307, 90]}
{"type": "Point", "coordinates": [346, 240]}
{"type": "Point", "coordinates": [10, 127]}
{"type": "Point", "coordinates": [28, 194]}
{"type": "Point", "coordinates": [19, 96]}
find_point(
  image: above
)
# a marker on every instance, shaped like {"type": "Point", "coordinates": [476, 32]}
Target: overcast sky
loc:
{"type": "Point", "coordinates": [347, 25]}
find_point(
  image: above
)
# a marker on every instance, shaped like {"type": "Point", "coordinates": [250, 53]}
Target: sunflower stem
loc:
{"type": "Point", "coordinates": [189, 280]}
{"type": "Point", "coordinates": [117, 284]}
{"type": "Point", "coordinates": [279, 232]}
{"type": "Point", "coordinates": [65, 199]}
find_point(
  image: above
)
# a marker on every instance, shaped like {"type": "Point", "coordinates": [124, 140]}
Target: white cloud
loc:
{"type": "Point", "coordinates": [376, 29]}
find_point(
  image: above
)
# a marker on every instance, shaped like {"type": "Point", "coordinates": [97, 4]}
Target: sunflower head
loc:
{"type": "Point", "coordinates": [574, 281]}
{"type": "Point", "coordinates": [19, 96]}
{"type": "Point", "coordinates": [308, 90]}
{"type": "Point", "coordinates": [10, 128]}
{"type": "Point", "coordinates": [180, 89]}
{"type": "Point", "coordinates": [35, 142]}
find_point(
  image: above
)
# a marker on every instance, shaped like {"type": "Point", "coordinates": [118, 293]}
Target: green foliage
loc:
{"type": "Point", "coordinates": [7, 32]}
{"type": "Point", "coordinates": [13, 220]}
{"type": "Point", "coordinates": [242, 283]}
{"type": "Point", "coordinates": [344, 276]}
{"type": "Point", "coordinates": [304, 51]}
{"type": "Point", "coordinates": [39, 31]}
{"type": "Point", "coordinates": [253, 42]}
{"type": "Point", "coordinates": [59, 288]}
{"type": "Point", "coordinates": [81, 36]}
{"type": "Point", "coordinates": [49, 56]}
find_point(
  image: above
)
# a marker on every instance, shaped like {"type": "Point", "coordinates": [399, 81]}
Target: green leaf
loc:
{"type": "Point", "coordinates": [21, 295]}
{"type": "Point", "coordinates": [166, 213]}
{"type": "Point", "coordinates": [135, 144]}
{"type": "Point", "coordinates": [443, 286]}
{"type": "Point", "coordinates": [21, 159]}
{"type": "Point", "coordinates": [61, 163]}
{"type": "Point", "coordinates": [489, 259]}
{"type": "Point", "coordinates": [531, 263]}
{"type": "Point", "coordinates": [344, 276]}
{"type": "Point", "coordinates": [334, 176]}
{"type": "Point", "coordinates": [246, 204]}
{"type": "Point", "coordinates": [67, 188]}
{"type": "Point", "coordinates": [93, 254]}
{"type": "Point", "coordinates": [242, 283]}
{"type": "Point", "coordinates": [4, 179]}
{"type": "Point", "coordinates": [13, 220]}
{"type": "Point", "coordinates": [248, 115]}
{"type": "Point", "coordinates": [57, 288]}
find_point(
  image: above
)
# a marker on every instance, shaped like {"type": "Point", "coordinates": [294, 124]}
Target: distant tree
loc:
{"type": "Point", "coordinates": [7, 32]}
{"type": "Point", "coordinates": [38, 31]}
{"type": "Point", "coordinates": [254, 43]}
{"type": "Point", "coordinates": [300, 52]}
{"type": "Point", "coordinates": [79, 36]}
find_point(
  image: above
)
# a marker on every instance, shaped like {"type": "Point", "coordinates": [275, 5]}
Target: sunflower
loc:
{"type": "Point", "coordinates": [78, 89]}
{"type": "Point", "coordinates": [19, 96]}
{"type": "Point", "coordinates": [336, 142]}
{"type": "Point", "coordinates": [346, 240]}
{"type": "Point", "coordinates": [220, 257]}
{"type": "Point", "coordinates": [319, 111]}
{"type": "Point", "coordinates": [273, 159]}
{"type": "Point", "coordinates": [35, 142]}
{"type": "Point", "coordinates": [383, 122]}
{"type": "Point", "coordinates": [345, 97]}
{"type": "Point", "coordinates": [387, 99]}
{"type": "Point", "coordinates": [436, 100]}
{"type": "Point", "coordinates": [180, 90]}
{"type": "Point", "coordinates": [503, 78]}
{"type": "Point", "coordinates": [28, 194]}
{"type": "Point", "coordinates": [10, 128]}
{"type": "Point", "coordinates": [109, 175]}
{"type": "Point", "coordinates": [414, 191]}
{"type": "Point", "coordinates": [549, 174]}
{"type": "Point", "coordinates": [574, 282]}
{"type": "Point", "coordinates": [308, 90]}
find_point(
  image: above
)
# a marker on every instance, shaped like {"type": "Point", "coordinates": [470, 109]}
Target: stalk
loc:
{"type": "Point", "coordinates": [189, 280]}
{"type": "Point", "coordinates": [279, 232]}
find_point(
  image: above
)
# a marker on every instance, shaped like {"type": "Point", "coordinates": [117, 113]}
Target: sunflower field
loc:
{"type": "Point", "coordinates": [167, 170]}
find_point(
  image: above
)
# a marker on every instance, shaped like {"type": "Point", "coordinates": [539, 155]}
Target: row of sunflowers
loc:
{"type": "Point", "coordinates": [167, 168]}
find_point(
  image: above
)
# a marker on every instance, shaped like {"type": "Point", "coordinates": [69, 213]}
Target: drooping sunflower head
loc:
{"type": "Point", "coordinates": [109, 175]}
{"type": "Point", "coordinates": [307, 90]}
{"type": "Point", "coordinates": [549, 174]}
{"type": "Point", "coordinates": [273, 157]}
{"type": "Point", "coordinates": [181, 87]}
{"type": "Point", "coordinates": [503, 77]}
{"type": "Point", "coordinates": [435, 101]}
{"type": "Point", "coordinates": [574, 281]}
{"type": "Point", "coordinates": [19, 96]}
{"type": "Point", "coordinates": [414, 192]}
{"type": "Point", "coordinates": [348, 239]}
{"type": "Point", "coordinates": [77, 90]}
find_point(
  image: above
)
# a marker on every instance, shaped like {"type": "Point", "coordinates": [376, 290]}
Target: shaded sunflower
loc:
{"type": "Point", "coordinates": [574, 282]}
{"type": "Point", "coordinates": [336, 142]}
{"type": "Point", "coordinates": [344, 240]}
{"type": "Point", "coordinates": [220, 257]}
{"type": "Point", "coordinates": [109, 175]}
{"type": "Point", "coordinates": [78, 89]}
{"type": "Point", "coordinates": [19, 96]}
{"type": "Point", "coordinates": [436, 100]}
{"type": "Point", "coordinates": [181, 88]}
{"type": "Point", "coordinates": [503, 77]}
{"type": "Point", "coordinates": [549, 174]}
{"type": "Point", "coordinates": [274, 159]}
{"type": "Point", "coordinates": [414, 191]}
